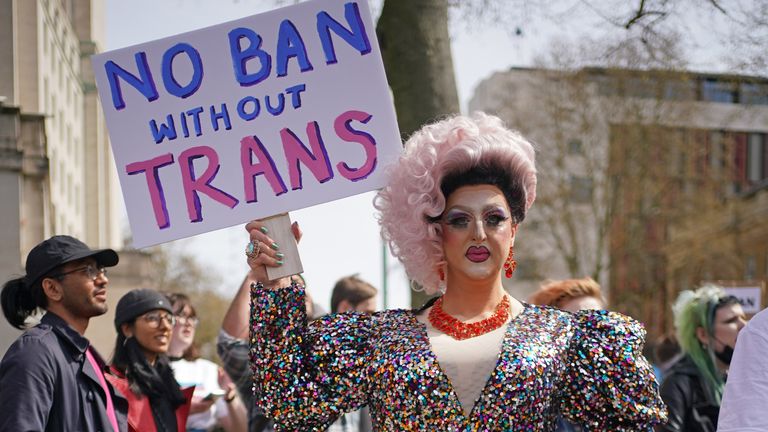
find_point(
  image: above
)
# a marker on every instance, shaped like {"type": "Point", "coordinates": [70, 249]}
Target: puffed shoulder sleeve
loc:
{"type": "Point", "coordinates": [609, 384]}
{"type": "Point", "coordinates": [305, 376]}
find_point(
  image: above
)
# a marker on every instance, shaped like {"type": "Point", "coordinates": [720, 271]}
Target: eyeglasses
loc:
{"type": "Point", "coordinates": [91, 271]}
{"type": "Point", "coordinates": [154, 318]}
{"type": "Point", "coordinates": [184, 320]}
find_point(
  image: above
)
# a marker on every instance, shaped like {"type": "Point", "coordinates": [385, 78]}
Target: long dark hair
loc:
{"type": "Point", "coordinates": [20, 300]}
{"type": "Point", "coordinates": [156, 381]}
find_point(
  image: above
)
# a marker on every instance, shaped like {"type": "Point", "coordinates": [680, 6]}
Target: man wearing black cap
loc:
{"type": "Point", "coordinates": [51, 378]}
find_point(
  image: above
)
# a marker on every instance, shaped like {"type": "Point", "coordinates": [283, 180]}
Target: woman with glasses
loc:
{"type": "Point", "coordinates": [707, 321]}
{"type": "Point", "coordinates": [140, 368]}
{"type": "Point", "coordinates": [215, 402]}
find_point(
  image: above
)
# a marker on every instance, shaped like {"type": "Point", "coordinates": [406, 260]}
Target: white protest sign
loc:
{"type": "Point", "coordinates": [750, 297]}
{"type": "Point", "coordinates": [248, 119]}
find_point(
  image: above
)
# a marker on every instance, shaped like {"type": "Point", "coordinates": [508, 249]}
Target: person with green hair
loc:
{"type": "Point", "coordinates": [707, 322]}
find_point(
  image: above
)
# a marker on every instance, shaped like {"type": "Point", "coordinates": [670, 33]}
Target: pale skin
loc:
{"type": "Point", "coordinates": [473, 282]}
{"type": "Point", "coordinates": [476, 220]}
{"type": "Point", "coordinates": [76, 298]}
{"type": "Point", "coordinates": [729, 320]}
{"type": "Point", "coordinates": [235, 321]}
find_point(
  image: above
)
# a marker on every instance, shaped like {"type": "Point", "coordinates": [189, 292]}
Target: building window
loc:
{"type": "Point", "coordinates": [714, 90]}
{"type": "Point", "coordinates": [753, 94]}
{"type": "Point", "coordinates": [581, 189]}
{"type": "Point", "coordinates": [680, 90]}
{"type": "Point", "coordinates": [575, 147]}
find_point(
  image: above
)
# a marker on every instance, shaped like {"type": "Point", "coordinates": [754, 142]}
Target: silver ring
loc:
{"type": "Point", "coordinates": [253, 249]}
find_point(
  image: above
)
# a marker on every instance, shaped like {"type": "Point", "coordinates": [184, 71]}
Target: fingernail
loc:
{"type": "Point", "coordinates": [264, 229]}
{"type": "Point", "coordinates": [279, 263]}
{"type": "Point", "coordinates": [279, 255]}
{"type": "Point", "coordinates": [275, 246]}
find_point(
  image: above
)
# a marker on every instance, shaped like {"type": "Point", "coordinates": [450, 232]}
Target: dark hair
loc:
{"type": "Point", "coordinates": [19, 300]}
{"type": "Point", "coordinates": [490, 173]}
{"type": "Point", "coordinates": [352, 289]}
{"type": "Point", "coordinates": [178, 302]}
{"type": "Point", "coordinates": [666, 348]}
{"type": "Point", "coordinates": [156, 382]}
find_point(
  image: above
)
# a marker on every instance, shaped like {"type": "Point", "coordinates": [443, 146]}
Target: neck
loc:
{"type": "Point", "coordinates": [151, 357]}
{"type": "Point", "coordinates": [79, 324]}
{"type": "Point", "coordinates": [468, 300]}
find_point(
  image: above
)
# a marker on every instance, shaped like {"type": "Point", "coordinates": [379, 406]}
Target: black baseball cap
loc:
{"type": "Point", "coordinates": [137, 302]}
{"type": "Point", "coordinates": [59, 250]}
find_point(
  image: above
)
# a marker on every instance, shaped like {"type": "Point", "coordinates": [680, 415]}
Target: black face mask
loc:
{"type": "Point", "coordinates": [725, 355]}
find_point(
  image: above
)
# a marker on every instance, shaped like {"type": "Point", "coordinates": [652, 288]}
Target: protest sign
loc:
{"type": "Point", "coordinates": [248, 119]}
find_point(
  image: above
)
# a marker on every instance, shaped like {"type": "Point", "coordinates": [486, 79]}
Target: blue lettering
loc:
{"type": "Point", "coordinates": [164, 131]}
{"type": "Point", "coordinates": [195, 113]}
{"type": "Point", "coordinates": [295, 93]}
{"type": "Point", "coordinates": [280, 104]}
{"type": "Point", "coordinates": [290, 44]}
{"type": "Point", "coordinates": [145, 84]}
{"type": "Point", "coordinates": [241, 56]}
{"type": "Point", "coordinates": [223, 115]}
{"type": "Point", "coordinates": [241, 108]}
{"type": "Point", "coordinates": [170, 82]}
{"type": "Point", "coordinates": [356, 37]}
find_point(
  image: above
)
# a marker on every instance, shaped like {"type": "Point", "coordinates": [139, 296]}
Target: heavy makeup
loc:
{"type": "Point", "coordinates": [477, 232]}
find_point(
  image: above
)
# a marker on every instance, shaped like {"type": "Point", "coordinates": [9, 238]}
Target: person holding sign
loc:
{"type": "Point", "coordinates": [707, 321]}
{"type": "Point", "coordinates": [474, 358]}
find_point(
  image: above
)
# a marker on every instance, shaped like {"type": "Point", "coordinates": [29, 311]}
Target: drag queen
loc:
{"type": "Point", "coordinates": [476, 359]}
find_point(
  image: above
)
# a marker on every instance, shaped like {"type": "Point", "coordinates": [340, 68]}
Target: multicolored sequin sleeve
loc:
{"type": "Point", "coordinates": [305, 376]}
{"type": "Point", "coordinates": [610, 385]}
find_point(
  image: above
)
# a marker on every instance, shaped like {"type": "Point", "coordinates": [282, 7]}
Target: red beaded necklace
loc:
{"type": "Point", "coordinates": [460, 330]}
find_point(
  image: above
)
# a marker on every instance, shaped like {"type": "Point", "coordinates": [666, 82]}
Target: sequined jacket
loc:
{"type": "Point", "coordinates": [587, 366]}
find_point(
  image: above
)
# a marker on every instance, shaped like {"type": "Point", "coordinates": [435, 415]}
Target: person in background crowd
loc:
{"type": "Point", "coordinates": [666, 353]}
{"type": "Point", "coordinates": [570, 295]}
{"type": "Point", "coordinates": [745, 398]}
{"type": "Point", "coordinates": [474, 358]}
{"type": "Point", "coordinates": [215, 402]}
{"type": "Point", "coordinates": [232, 347]}
{"type": "Point", "coordinates": [51, 378]}
{"type": "Point", "coordinates": [707, 322]}
{"type": "Point", "coordinates": [140, 368]}
{"type": "Point", "coordinates": [353, 294]}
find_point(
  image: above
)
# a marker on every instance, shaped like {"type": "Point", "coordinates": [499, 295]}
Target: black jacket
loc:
{"type": "Point", "coordinates": [689, 408]}
{"type": "Point", "coordinates": [47, 384]}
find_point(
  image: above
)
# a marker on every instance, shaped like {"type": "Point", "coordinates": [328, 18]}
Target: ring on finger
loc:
{"type": "Point", "coordinates": [253, 249]}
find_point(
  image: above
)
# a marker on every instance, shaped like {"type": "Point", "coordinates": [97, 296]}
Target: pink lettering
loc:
{"type": "Point", "coordinates": [150, 168]}
{"type": "Point", "coordinates": [193, 185]}
{"type": "Point", "coordinates": [345, 131]}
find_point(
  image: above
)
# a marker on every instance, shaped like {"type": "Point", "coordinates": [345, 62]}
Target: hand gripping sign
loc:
{"type": "Point", "coordinates": [248, 119]}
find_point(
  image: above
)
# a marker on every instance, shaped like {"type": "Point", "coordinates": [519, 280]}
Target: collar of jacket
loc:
{"type": "Point", "coordinates": [66, 332]}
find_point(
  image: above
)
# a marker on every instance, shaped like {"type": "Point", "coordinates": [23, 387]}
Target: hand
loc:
{"type": "Point", "coordinates": [267, 256]}
{"type": "Point", "coordinates": [200, 405]}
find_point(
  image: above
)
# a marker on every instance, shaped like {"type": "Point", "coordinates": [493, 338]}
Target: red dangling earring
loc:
{"type": "Point", "coordinates": [441, 285]}
{"type": "Point", "coordinates": [510, 264]}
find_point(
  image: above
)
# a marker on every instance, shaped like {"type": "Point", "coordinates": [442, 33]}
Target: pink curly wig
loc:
{"type": "Point", "coordinates": [413, 197]}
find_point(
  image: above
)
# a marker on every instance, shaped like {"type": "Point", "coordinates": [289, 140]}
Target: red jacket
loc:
{"type": "Point", "coordinates": [140, 417]}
